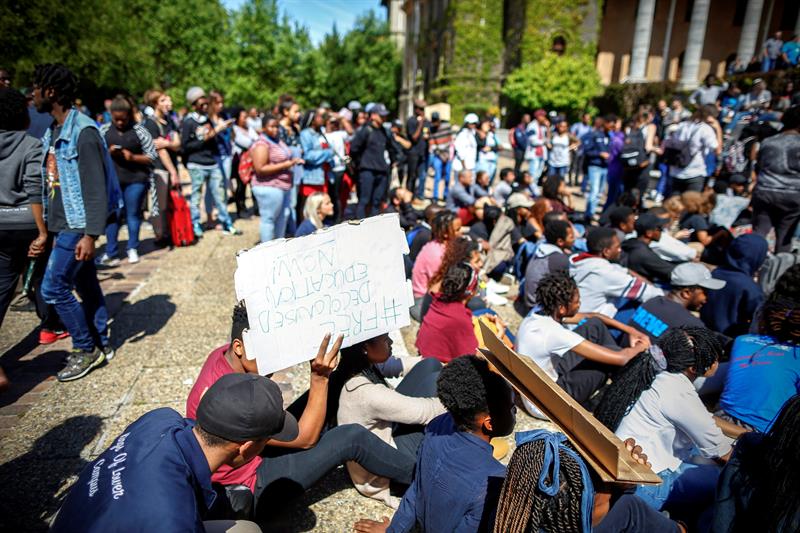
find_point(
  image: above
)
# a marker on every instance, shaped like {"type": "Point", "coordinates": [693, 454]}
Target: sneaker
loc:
{"type": "Point", "coordinates": [108, 351]}
{"type": "Point", "coordinates": [48, 336]}
{"type": "Point", "coordinates": [230, 229]}
{"type": "Point", "coordinates": [198, 229]}
{"type": "Point", "coordinates": [495, 299]}
{"type": "Point", "coordinates": [497, 288]}
{"type": "Point", "coordinates": [107, 261]}
{"type": "Point", "coordinates": [80, 363]}
{"type": "Point", "coordinates": [133, 256]}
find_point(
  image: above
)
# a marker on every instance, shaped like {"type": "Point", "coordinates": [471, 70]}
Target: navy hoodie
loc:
{"type": "Point", "coordinates": [730, 309]}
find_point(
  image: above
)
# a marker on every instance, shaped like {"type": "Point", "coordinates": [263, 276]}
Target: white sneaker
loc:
{"type": "Point", "coordinates": [133, 256]}
{"type": "Point", "coordinates": [497, 288]}
{"type": "Point", "coordinates": [107, 261]}
{"type": "Point", "coordinates": [495, 299]}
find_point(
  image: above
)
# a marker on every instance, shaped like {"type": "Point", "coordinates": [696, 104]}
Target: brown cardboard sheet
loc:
{"type": "Point", "coordinates": [598, 446]}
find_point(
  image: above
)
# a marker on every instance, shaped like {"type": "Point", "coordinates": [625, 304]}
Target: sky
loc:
{"type": "Point", "coordinates": [319, 15]}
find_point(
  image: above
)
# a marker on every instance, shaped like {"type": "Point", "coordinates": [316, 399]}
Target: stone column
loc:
{"type": "Point", "coordinates": [694, 44]}
{"type": "Point", "coordinates": [641, 40]}
{"type": "Point", "coordinates": [749, 35]}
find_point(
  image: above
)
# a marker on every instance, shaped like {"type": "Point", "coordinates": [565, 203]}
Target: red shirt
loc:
{"type": "Point", "coordinates": [214, 368]}
{"type": "Point", "coordinates": [446, 331]}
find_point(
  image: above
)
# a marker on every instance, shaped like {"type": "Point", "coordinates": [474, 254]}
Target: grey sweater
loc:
{"type": "Point", "coordinates": [20, 179]}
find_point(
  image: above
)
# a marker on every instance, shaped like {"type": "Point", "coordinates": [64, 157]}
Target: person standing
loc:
{"type": "Point", "coordinates": [441, 157]}
{"type": "Point", "coordinates": [244, 135]}
{"type": "Point", "coordinates": [131, 149]}
{"type": "Point", "coordinates": [702, 139]}
{"type": "Point", "coordinates": [418, 131]}
{"type": "Point", "coordinates": [561, 145]}
{"type": "Point", "coordinates": [771, 52]}
{"type": "Point", "coordinates": [578, 130]}
{"type": "Point", "coordinates": [218, 116]}
{"type": "Point", "coordinates": [536, 152]}
{"type": "Point", "coordinates": [372, 148]}
{"type": "Point", "coordinates": [487, 149]}
{"type": "Point", "coordinates": [596, 150]}
{"type": "Point", "coordinates": [776, 198]}
{"type": "Point", "coordinates": [201, 157]}
{"type": "Point", "coordinates": [466, 145]}
{"type": "Point", "coordinates": [81, 192]}
{"type": "Point", "coordinates": [318, 157]}
{"type": "Point", "coordinates": [518, 138]}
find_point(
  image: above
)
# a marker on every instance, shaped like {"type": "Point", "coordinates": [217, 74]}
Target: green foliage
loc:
{"type": "Point", "coordinates": [251, 54]}
{"type": "Point", "coordinates": [563, 83]}
{"type": "Point", "coordinates": [546, 19]}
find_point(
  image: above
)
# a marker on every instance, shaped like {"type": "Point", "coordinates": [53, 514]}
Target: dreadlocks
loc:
{"type": "Point", "coordinates": [523, 507]}
{"type": "Point", "coordinates": [59, 78]}
{"type": "Point", "coordinates": [555, 290]}
{"type": "Point", "coordinates": [780, 319]}
{"type": "Point", "coordinates": [683, 347]}
{"type": "Point", "coordinates": [239, 321]}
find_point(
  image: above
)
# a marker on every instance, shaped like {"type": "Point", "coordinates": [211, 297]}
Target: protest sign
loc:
{"type": "Point", "coordinates": [598, 445]}
{"type": "Point", "coordinates": [348, 279]}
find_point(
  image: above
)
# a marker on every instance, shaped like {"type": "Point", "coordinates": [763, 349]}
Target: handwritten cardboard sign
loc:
{"type": "Point", "coordinates": [598, 446]}
{"type": "Point", "coordinates": [348, 279]}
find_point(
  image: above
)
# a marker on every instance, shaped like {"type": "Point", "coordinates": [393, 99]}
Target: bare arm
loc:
{"type": "Point", "coordinates": [633, 333]}
{"type": "Point", "coordinates": [601, 354]}
{"type": "Point", "coordinates": [261, 163]}
{"type": "Point", "coordinates": [729, 429]}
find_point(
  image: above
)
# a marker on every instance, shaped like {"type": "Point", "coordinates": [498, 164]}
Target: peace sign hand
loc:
{"type": "Point", "coordinates": [326, 360]}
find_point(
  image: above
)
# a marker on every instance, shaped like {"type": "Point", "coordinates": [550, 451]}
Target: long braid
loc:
{"type": "Point", "coordinates": [58, 77]}
{"type": "Point", "coordinates": [523, 507]}
{"type": "Point", "coordinates": [683, 348]}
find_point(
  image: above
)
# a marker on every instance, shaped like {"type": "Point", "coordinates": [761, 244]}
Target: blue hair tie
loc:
{"type": "Point", "coordinates": [553, 444]}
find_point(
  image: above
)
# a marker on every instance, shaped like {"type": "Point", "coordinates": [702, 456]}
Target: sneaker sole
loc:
{"type": "Point", "coordinates": [100, 361]}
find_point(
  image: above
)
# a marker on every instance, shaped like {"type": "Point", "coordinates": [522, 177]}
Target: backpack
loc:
{"type": "Point", "coordinates": [773, 268]}
{"type": "Point", "coordinates": [734, 158]}
{"type": "Point", "coordinates": [180, 220]}
{"type": "Point", "coordinates": [246, 167]}
{"type": "Point", "coordinates": [633, 153]}
{"type": "Point", "coordinates": [678, 152]}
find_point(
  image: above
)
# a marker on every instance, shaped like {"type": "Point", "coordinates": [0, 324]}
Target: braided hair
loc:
{"type": "Point", "coordinates": [555, 289]}
{"type": "Point", "coordinates": [457, 251]}
{"type": "Point", "coordinates": [456, 282]}
{"type": "Point", "coordinates": [683, 347]}
{"type": "Point", "coordinates": [442, 225]}
{"type": "Point", "coordinates": [59, 78]}
{"type": "Point", "coordinates": [780, 319]}
{"type": "Point", "coordinates": [523, 507]}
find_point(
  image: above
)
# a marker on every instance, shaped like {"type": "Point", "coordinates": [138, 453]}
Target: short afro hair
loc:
{"type": "Point", "coordinates": [556, 229]}
{"type": "Point", "coordinates": [60, 79]}
{"type": "Point", "coordinates": [13, 110]}
{"type": "Point", "coordinates": [555, 289]}
{"type": "Point", "coordinates": [619, 215]}
{"type": "Point", "coordinates": [599, 239]}
{"type": "Point", "coordinates": [467, 388]}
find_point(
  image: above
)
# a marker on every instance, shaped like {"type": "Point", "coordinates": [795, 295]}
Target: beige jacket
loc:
{"type": "Point", "coordinates": [377, 407]}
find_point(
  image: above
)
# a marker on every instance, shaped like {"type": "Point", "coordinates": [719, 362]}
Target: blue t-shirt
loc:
{"type": "Point", "coordinates": [792, 51]}
{"type": "Point", "coordinates": [762, 375]}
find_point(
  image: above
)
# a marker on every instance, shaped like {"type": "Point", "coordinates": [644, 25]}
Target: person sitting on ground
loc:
{"type": "Point", "coordinates": [446, 226]}
{"type": "Point", "coordinates": [400, 203]}
{"type": "Point", "coordinates": [653, 400]}
{"type": "Point", "coordinates": [554, 189]}
{"type": "Point", "coordinates": [730, 309]}
{"type": "Point", "coordinates": [504, 187]}
{"type": "Point", "coordinates": [359, 394]}
{"type": "Point", "coordinates": [481, 228]}
{"type": "Point", "coordinates": [456, 454]}
{"type": "Point", "coordinates": [156, 476]}
{"type": "Point", "coordinates": [639, 257]}
{"type": "Point", "coordinates": [766, 367]}
{"type": "Point", "coordinates": [668, 247]}
{"type": "Point", "coordinates": [758, 488]}
{"type": "Point", "coordinates": [461, 197]}
{"type": "Point", "coordinates": [518, 209]}
{"type": "Point", "coordinates": [629, 199]}
{"type": "Point", "coordinates": [525, 185]}
{"type": "Point", "coordinates": [317, 208]}
{"type": "Point", "coordinates": [622, 220]}
{"type": "Point", "coordinates": [548, 487]}
{"type": "Point", "coordinates": [689, 285]}
{"type": "Point", "coordinates": [601, 281]}
{"type": "Point", "coordinates": [481, 186]}
{"type": "Point", "coordinates": [550, 256]}
{"type": "Point", "coordinates": [423, 235]}
{"type": "Point", "coordinates": [289, 467]}
{"type": "Point", "coordinates": [447, 330]}
{"type": "Point", "coordinates": [541, 207]}
{"type": "Point", "coordinates": [697, 207]}
{"type": "Point", "coordinates": [580, 360]}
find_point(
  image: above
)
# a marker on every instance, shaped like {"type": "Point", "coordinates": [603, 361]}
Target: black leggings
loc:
{"type": "Point", "coordinates": [420, 382]}
{"type": "Point", "coordinates": [581, 377]}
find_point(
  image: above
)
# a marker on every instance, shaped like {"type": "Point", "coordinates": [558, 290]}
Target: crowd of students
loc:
{"type": "Point", "coordinates": [672, 322]}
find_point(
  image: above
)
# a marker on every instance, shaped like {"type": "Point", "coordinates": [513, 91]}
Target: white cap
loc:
{"type": "Point", "coordinates": [194, 94]}
{"type": "Point", "coordinates": [694, 275]}
{"type": "Point", "coordinates": [471, 118]}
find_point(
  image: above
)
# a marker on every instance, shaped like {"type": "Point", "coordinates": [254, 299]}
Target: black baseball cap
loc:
{"type": "Point", "coordinates": [379, 109]}
{"type": "Point", "coordinates": [243, 407]}
{"type": "Point", "coordinates": [647, 222]}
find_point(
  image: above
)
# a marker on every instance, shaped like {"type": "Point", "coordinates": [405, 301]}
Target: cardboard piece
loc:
{"type": "Point", "coordinates": [598, 446]}
{"type": "Point", "coordinates": [347, 279]}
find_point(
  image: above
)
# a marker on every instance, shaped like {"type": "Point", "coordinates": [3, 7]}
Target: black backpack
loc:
{"type": "Point", "coordinates": [678, 152]}
{"type": "Point", "coordinates": [633, 153]}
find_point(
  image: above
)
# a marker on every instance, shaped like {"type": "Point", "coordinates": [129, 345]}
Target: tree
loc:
{"type": "Point", "coordinates": [564, 83]}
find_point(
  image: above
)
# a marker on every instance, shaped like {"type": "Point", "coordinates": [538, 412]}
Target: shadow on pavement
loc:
{"type": "Point", "coordinates": [33, 482]}
{"type": "Point", "coordinates": [141, 319]}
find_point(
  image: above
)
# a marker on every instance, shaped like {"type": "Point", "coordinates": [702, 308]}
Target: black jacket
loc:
{"type": "Point", "coordinates": [368, 147]}
{"type": "Point", "coordinates": [643, 260]}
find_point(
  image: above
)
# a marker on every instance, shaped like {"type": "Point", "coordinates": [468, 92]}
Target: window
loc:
{"type": "Point", "coordinates": [738, 15]}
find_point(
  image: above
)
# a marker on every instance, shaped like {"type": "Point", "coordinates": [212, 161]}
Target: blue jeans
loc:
{"type": "Point", "coordinates": [371, 192]}
{"type": "Point", "coordinates": [768, 64]}
{"type": "Point", "coordinates": [664, 184]}
{"type": "Point", "coordinates": [489, 166]}
{"type": "Point", "coordinates": [688, 490]}
{"type": "Point", "coordinates": [273, 206]}
{"type": "Point", "coordinates": [215, 181]}
{"type": "Point", "coordinates": [597, 177]}
{"type": "Point", "coordinates": [132, 195]}
{"type": "Point", "coordinates": [711, 163]}
{"type": "Point", "coordinates": [615, 186]}
{"type": "Point", "coordinates": [63, 274]}
{"type": "Point", "coordinates": [441, 172]}
{"type": "Point", "coordinates": [560, 172]}
{"type": "Point", "coordinates": [535, 167]}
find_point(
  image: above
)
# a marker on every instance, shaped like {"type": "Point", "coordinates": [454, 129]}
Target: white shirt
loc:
{"type": "Point", "coordinates": [336, 140]}
{"type": "Point", "coordinates": [671, 423]}
{"type": "Point", "coordinates": [537, 136]}
{"type": "Point", "coordinates": [559, 154]}
{"type": "Point", "coordinates": [541, 338]}
{"type": "Point", "coordinates": [466, 149]}
{"type": "Point", "coordinates": [703, 139]}
{"type": "Point", "coordinates": [669, 248]}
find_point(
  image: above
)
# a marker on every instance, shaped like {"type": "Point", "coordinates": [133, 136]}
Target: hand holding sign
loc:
{"type": "Point", "coordinates": [325, 362]}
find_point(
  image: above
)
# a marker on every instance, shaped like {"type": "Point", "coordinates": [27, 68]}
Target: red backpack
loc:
{"type": "Point", "coordinates": [180, 220]}
{"type": "Point", "coordinates": [246, 167]}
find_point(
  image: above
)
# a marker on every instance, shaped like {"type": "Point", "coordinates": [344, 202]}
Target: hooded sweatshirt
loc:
{"type": "Point", "coordinates": [20, 179]}
{"type": "Point", "coordinates": [730, 309]}
{"type": "Point", "coordinates": [604, 285]}
{"type": "Point", "coordinates": [547, 258]}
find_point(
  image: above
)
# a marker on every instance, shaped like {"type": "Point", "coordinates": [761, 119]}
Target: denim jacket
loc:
{"type": "Point", "coordinates": [66, 148]}
{"type": "Point", "coordinates": [314, 156]}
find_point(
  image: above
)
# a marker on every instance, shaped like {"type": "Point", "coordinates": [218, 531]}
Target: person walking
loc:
{"type": "Point", "coordinates": [132, 151]}
{"type": "Point", "coordinates": [370, 144]}
{"type": "Point", "coordinates": [81, 192]}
